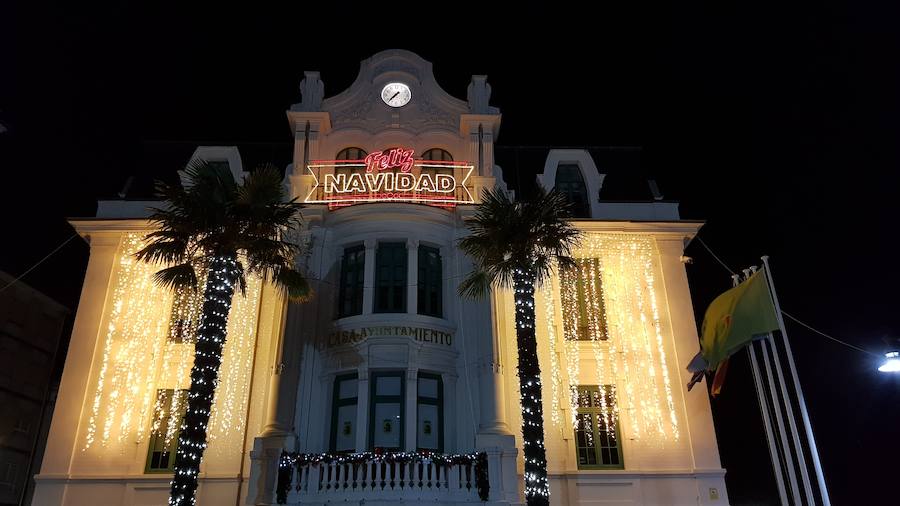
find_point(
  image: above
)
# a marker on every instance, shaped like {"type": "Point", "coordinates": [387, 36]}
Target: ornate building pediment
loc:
{"type": "Point", "coordinates": [362, 106]}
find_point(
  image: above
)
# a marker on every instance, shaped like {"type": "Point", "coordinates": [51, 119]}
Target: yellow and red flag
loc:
{"type": "Point", "coordinates": [731, 322]}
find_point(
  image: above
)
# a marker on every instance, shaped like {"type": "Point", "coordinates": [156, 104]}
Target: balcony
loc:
{"type": "Point", "coordinates": [388, 477]}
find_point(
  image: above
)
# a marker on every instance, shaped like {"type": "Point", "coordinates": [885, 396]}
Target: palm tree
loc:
{"type": "Point", "coordinates": [225, 230]}
{"type": "Point", "coordinates": [517, 244]}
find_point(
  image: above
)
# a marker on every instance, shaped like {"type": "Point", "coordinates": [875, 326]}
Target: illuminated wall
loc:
{"type": "Point", "coordinates": [631, 346]}
{"type": "Point", "coordinates": [139, 353]}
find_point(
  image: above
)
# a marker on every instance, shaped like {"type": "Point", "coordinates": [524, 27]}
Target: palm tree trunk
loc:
{"type": "Point", "coordinates": [537, 489]}
{"type": "Point", "coordinates": [221, 277]}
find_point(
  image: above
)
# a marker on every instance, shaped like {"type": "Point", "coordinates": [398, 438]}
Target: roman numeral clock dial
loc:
{"type": "Point", "coordinates": [396, 94]}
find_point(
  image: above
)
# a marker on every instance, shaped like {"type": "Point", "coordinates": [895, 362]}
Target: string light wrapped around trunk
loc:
{"type": "Point", "coordinates": [537, 488]}
{"type": "Point", "coordinates": [192, 441]}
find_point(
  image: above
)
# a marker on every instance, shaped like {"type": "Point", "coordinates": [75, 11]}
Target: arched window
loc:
{"type": "Point", "coordinates": [438, 154]}
{"type": "Point", "coordinates": [351, 154]}
{"type": "Point", "coordinates": [570, 183]}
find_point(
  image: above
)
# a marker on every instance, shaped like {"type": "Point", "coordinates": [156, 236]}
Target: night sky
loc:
{"type": "Point", "coordinates": [778, 125]}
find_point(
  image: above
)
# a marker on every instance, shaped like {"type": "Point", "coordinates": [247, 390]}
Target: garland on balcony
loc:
{"type": "Point", "coordinates": [292, 460]}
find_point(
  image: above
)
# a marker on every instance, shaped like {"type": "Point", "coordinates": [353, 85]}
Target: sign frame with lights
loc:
{"type": "Point", "coordinates": [392, 175]}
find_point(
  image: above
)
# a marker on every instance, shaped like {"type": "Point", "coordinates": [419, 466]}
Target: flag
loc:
{"type": "Point", "coordinates": [732, 321]}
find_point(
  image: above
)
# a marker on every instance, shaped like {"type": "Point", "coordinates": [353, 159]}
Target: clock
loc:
{"type": "Point", "coordinates": [396, 94]}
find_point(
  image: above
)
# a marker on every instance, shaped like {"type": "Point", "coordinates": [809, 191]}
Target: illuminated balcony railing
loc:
{"type": "Point", "coordinates": [408, 477]}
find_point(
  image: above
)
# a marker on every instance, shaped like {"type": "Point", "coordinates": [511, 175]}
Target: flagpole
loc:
{"type": "Point", "coordinates": [792, 421]}
{"type": "Point", "coordinates": [795, 487]}
{"type": "Point", "coordinates": [767, 424]}
{"type": "Point", "coordinates": [820, 477]}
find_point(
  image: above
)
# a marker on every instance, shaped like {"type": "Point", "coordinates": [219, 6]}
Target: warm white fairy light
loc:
{"type": "Point", "coordinates": [120, 410]}
{"type": "Point", "coordinates": [569, 301]}
{"type": "Point", "coordinates": [657, 328]}
{"type": "Point", "coordinates": [237, 361]}
{"type": "Point", "coordinates": [597, 334]}
{"type": "Point", "coordinates": [623, 322]}
{"type": "Point", "coordinates": [555, 380]}
{"type": "Point", "coordinates": [146, 351]}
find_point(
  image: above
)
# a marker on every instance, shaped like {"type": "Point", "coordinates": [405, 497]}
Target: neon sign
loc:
{"type": "Point", "coordinates": [390, 176]}
{"type": "Point", "coordinates": [397, 157]}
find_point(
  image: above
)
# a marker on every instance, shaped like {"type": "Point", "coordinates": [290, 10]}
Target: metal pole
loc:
{"type": "Point", "coordinates": [792, 422]}
{"type": "Point", "coordinates": [795, 487]}
{"type": "Point", "coordinates": [767, 423]}
{"type": "Point", "coordinates": [820, 476]}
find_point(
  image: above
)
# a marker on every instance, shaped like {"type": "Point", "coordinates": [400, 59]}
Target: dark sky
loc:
{"type": "Point", "coordinates": [778, 124]}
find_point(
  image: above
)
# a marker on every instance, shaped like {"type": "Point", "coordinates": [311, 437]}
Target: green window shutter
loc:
{"type": "Point", "coordinates": [161, 454]}
{"type": "Point", "coordinates": [598, 442]}
{"type": "Point", "coordinates": [344, 414]}
{"type": "Point", "coordinates": [430, 413]}
{"type": "Point", "coordinates": [387, 410]}
{"type": "Point", "coordinates": [588, 295]}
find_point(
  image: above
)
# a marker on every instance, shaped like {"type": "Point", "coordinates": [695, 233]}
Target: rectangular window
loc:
{"type": "Point", "coordinates": [430, 413]}
{"type": "Point", "coordinates": [582, 307]}
{"type": "Point", "coordinates": [430, 281]}
{"type": "Point", "coordinates": [343, 414]}
{"type": "Point", "coordinates": [161, 454]}
{"type": "Point", "coordinates": [597, 441]}
{"type": "Point", "coordinates": [353, 266]}
{"type": "Point", "coordinates": [386, 413]}
{"type": "Point", "coordinates": [390, 277]}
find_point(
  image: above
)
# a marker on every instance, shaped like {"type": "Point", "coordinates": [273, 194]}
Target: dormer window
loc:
{"type": "Point", "coordinates": [570, 183]}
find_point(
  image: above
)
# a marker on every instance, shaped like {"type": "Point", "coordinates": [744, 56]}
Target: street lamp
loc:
{"type": "Point", "coordinates": [891, 363]}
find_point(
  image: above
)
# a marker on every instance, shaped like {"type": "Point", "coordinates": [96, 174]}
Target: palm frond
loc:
{"type": "Point", "coordinates": [505, 236]}
{"type": "Point", "coordinates": [163, 251]}
{"type": "Point", "coordinates": [211, 215]}
{"type": "Point", "coordinates": [177, 276]}
{"type": "Point", "coordinates": [293, 284]}
{"type": "Point", "coordinates": [476, 285]}
{"type": "Point", "coordinates": [261, 188]}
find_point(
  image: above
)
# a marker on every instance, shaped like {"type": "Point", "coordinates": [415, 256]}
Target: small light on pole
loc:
{"type": "Point", "coordinates": [891, 363]}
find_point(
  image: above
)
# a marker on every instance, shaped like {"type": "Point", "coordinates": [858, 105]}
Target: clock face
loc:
{"type": "Point", "coordinates": [396, 94]}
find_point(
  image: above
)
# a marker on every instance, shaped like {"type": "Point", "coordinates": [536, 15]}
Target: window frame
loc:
{"type": "Point", "coordinates": [375, 399]}
{"type": "Point", "coordinates": [348, 150]}
{"type": "Point", "coordinates": [582, 285]}
{"type": "Point", "coordinates": [433, 171]}
{"type": "Point", "coordinates": [439, 402]}
{"type": "Point", "coordinates": [570, 188]}
{"type": "Point", "coordinates": [424, 283]}
{"type": "Point", "coordinates": [358, 288]}
{"type": "Point", "coordinates": [379, 304]}
{"type": "Point", "coordinates": [173, 444]}
{"type": "Point", "coordinates": [337, 403]}
{"type": "Point", "coordinates": [595, 414]}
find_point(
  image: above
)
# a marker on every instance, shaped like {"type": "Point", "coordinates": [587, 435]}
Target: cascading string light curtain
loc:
{"type": "Point", "coordinates": [616, 282]}
{"type": "Point", "coordinates": [149, 346]}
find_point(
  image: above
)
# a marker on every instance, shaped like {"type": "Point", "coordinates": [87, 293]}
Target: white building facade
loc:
{"type": "Point", "coordinates": [387, 358]}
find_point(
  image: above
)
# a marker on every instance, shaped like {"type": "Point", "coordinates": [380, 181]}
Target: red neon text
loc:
{"type": "Point", "coordinates": [397, 157]}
